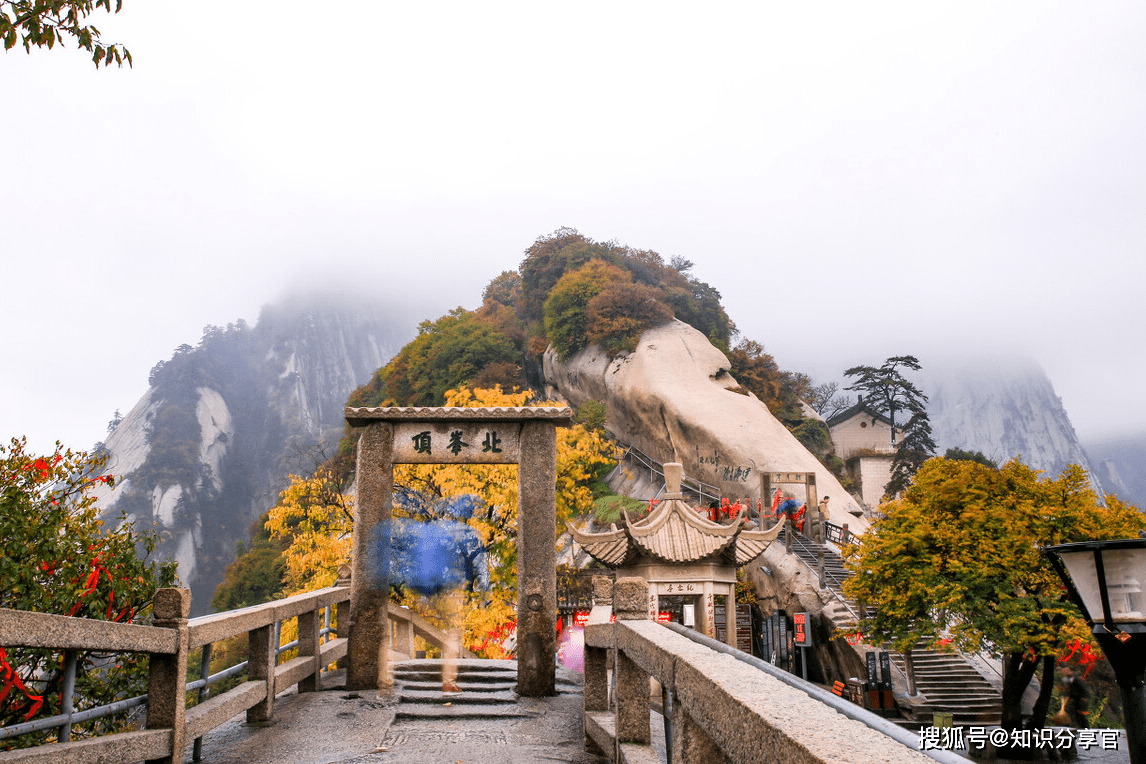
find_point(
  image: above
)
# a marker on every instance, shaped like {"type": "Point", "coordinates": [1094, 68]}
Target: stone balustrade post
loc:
{"type": "Point", "coordinates": [167, 674]}
{"type": "Point", "coordinates": [341, 614]}
{"type": "Point", "coordinates": [309, 626]}
{"type": "Point", "coordinates": [845, 536]}
{"type": "Point", "coordinates": [596, 688]}
{"type": "Point", "coordinates": [690, 742]}
{"type": "Point", "coordinates": [403, 636]}
{"type": "Point", "coordinates": [788, 529]}
{"type": "Point", "coordinates": [261, 659]}
{"type": "Point", "coordinates": [630, 603]}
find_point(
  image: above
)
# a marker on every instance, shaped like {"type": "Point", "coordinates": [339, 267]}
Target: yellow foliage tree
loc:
{"type": "Point", "coordinates": [958, 560]}
{"type": "Point", "coordinates": [317, 519]}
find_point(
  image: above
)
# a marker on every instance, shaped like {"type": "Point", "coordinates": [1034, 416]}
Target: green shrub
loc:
{"type": "Point", "coordinates": [607, 509]}
{"type": "Point", "coordinates": [566, 322]}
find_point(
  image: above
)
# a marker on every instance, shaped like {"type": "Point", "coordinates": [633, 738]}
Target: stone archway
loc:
{"type": "Point", "coordinates": [525, 436]}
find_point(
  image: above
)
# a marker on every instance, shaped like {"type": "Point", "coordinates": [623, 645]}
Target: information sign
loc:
{"type": "Point", "coordinates": [803, 636]}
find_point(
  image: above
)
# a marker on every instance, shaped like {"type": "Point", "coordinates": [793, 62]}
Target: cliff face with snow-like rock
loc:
{"type": "Point", "coordinates": [1005, 407]}
{"type": "Point", "coordinates": [674, 399]}
{"type": "Point", "coordinates": [209, 446]}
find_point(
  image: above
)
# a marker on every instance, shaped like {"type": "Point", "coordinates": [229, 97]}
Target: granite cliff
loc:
{"type": "Point", "coordinates": [675, 400]}
{"type": "Point", "coordinates": [208, 447]}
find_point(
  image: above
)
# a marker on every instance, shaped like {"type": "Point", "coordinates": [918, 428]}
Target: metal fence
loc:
{"type": "Point", "coordinates": [703, 492]}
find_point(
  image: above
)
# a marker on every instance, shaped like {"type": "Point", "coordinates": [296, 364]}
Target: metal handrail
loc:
{"type": "Point", "coordinates": [834, 533]}
{"type": "Point", "coordinates": [797, 538]}
{"type": "Point", "coordinates": [692, 485]}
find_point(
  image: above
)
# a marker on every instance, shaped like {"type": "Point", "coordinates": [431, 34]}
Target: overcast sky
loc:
{"type": "Point", "coordinates": [857, 180]}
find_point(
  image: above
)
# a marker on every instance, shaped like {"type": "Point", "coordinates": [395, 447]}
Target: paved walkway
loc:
{"type": "Point", "coordinates": [339, 727]}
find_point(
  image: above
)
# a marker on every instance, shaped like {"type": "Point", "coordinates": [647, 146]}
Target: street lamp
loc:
{"type": "Point", "coordinates": [1105, 579]}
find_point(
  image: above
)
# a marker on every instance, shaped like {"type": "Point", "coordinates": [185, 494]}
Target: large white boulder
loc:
{"type": "Point", "coordinates": [674, 399]}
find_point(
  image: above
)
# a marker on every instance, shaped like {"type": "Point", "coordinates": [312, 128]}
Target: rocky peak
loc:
{"type": "Point", "coordinates": [674, 399]}
{"type": "Point", "coordinates": [209, 446]}
{"type": "Point", "coordinates": [1004, 406]}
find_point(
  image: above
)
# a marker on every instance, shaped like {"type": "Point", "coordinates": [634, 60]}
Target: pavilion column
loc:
{"type": "Point", "coordinates": [708, 610]}
{"type": "Point", "coordinates": [730, 616]}
{"type": "Point", "coordinates": [537, 560]}
{"type": "Point", "coordinates": [367, 646]}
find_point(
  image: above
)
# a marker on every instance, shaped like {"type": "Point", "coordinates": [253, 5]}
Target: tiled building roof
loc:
{"type": "Point", "coordinates": [675, 532]}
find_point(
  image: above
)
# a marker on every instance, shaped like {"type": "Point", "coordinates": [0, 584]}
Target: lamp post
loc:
{"type": "Point", "coordinates": [1105, 579]}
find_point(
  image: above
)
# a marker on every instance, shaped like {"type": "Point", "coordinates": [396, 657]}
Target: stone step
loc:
{"type": "Point", "coordinates": [483, 688]}
{"type": "Point", "coordinates": [965, 688]}
{"type": "Point", "coordinates": [467, 664]}
{"type": "Point", "coordinates": [473, 678]}
{"type": "Point", "coordinates": [465, 698]}
{"type": "Point", "coordinates": [452, 710]}
{"type": "Point", "coordinates": [950, 677]}
{"type": "Point", "coordinates": [946, 692]}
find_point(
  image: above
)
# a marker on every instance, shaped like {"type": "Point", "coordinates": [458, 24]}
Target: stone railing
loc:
{"type": "Point", "coordinates": [169, 641]}
{"type": "Point", "coordinates": [405, 624]}
{"type": "Point", "coordinates": [169, 724]}
{"type": "Point", "coordinates": [717, 708]}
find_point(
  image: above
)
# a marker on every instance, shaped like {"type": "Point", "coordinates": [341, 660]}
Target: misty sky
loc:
{"type": "Point", "coordinates": [857, 180]}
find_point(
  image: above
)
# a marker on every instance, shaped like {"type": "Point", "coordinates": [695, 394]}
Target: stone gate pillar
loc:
{"type": "Point", "coordinates": [537, 560]}
{"type": "Point", "coordinates": [367, 645]}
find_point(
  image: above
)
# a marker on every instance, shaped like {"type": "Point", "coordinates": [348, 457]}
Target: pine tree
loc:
{"type": "Point", "coordinates": [887, 391]}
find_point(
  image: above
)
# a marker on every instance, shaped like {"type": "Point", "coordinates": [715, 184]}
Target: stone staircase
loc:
{"type": "Point", "coordinates": [487, 690]}
{"type": "Point", "coordinates": [948, 683]}
{"type": "Point", "coordinates": [945, 682]}
{"type": "Point", "coordinates": [487, 721]}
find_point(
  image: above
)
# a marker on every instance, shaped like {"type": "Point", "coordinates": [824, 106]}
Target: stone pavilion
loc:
{"type": "Point", "coordinates": [681, 553]}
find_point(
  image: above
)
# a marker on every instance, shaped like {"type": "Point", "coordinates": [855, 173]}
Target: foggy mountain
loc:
{"type": "Point", "coordinates": [209, 446]}
{"type": "Point", "coordinates": [1003, 406]}
{"type": "Point", "coordinates": [1120, 464]}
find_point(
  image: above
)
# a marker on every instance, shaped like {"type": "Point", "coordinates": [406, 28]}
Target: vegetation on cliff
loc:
{"type": "Point", "coordinates": [569, 292]}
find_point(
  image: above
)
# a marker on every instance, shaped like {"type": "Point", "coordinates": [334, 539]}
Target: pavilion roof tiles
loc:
{"type": "Point", "coordinates": [674, 532]}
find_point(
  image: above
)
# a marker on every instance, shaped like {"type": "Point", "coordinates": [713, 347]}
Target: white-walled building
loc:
{"type": "Point", "coordinates": [862, 437]}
